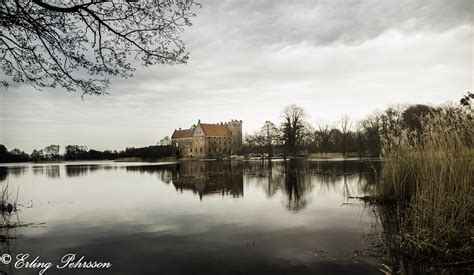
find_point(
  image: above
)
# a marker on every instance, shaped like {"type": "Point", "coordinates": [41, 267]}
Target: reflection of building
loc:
{"type": "Point", "coordinates": [208, 140]}
{"type": "Point", "coordinates": [207, 178]}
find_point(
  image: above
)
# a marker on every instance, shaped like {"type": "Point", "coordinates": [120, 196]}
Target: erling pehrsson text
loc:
{"type": "Point", "coordinates": [68, 261]}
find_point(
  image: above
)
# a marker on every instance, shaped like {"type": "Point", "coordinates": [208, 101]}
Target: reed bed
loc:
{"type": "Point", "coordinates": [428, 178]}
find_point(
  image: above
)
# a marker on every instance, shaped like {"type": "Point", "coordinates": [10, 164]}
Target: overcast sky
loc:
{"type": "Point", "coordinates": [248, 59]}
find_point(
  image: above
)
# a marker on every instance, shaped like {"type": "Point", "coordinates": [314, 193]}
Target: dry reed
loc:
{"type": "Point", "coordinates": [429, 177]}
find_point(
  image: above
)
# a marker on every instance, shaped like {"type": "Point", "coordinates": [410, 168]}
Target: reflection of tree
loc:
{"type": "Point", "coordinates": [37, 170]}
{"type": "Point", "coordinates": [52, 171]}
{"type": "Point", "coordinates": [163, 172]}
{"type": "Point", "coordinates": [3, 173]}
{"type": "Point", "coordinates": [15, 171]}
{"type": "Point", "coordinates": [267, 176]}
{"type": "Point", "coordinates": [297, 186]}
{"type": "Point", "coordinates": [297, 178]}
{"type": "Point", "coordinates": [82, 170]}
{"type": "Point", "coordinates": [292, 178]}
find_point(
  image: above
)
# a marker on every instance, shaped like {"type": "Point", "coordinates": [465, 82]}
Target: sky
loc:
{"type": "Point", "coordinates": [249, 59]}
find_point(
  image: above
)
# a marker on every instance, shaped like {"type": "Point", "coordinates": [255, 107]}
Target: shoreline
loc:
{"type": "Point", "coordinates": [174, 159]}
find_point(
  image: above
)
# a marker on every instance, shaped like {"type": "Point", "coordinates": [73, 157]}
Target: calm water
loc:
{"type": "Point", "coordinates": [196, 217]}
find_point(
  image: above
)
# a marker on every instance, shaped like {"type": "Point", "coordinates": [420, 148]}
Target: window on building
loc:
{"type": "Point", "coordinates": [200, 150]}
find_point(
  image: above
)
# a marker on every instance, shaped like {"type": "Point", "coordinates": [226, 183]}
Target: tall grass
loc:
{"type": "Point", "coordinates": [429, 177]}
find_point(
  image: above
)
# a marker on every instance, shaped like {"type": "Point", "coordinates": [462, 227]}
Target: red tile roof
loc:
{"type": "Point", "coordinates": [215, 130]}
{"type": "Point", "coordinates": [182, 134]}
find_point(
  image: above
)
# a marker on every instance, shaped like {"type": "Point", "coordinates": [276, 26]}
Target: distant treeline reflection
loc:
{"type": "Point", "coordinates": [293, 178]}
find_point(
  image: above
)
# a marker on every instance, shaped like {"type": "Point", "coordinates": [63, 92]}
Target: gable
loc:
{"type": "Point", "coordinates": [198, 131]}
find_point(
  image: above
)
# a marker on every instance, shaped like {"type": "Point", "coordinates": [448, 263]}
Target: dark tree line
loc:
{"type": "Point", "coordinates": [50, 152]}
{"type": "Point", "coordinates": [147, 153]}
{"type": "Point", "coordinates": [15, 155]}
{"type": "Point", "coordinates": [79, 152]}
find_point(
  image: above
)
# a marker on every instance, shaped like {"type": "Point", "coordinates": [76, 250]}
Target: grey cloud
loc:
{"type": "Point", "coordinates": [328, 21]}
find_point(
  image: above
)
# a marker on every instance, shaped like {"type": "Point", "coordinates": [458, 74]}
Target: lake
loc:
{"type": "Point", "coordinates": [196, 217]}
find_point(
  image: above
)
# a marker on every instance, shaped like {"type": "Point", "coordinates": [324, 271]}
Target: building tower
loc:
{"type": "Point", "coordinates": [235, 127]}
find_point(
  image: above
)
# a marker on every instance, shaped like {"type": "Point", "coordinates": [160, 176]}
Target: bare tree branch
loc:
{"type": "Point", "coordinates": [79, 46]}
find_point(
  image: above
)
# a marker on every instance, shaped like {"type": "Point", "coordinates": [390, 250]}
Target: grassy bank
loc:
{"type": "Point", "coordinates": [428, 176]}
{"type": "Point", "coordinates": [331, 155]}
{"type": "Point", "coordinates": [136, 159]}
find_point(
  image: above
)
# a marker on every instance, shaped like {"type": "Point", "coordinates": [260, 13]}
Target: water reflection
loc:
{"type": "Point", "coordinates": [51, 171]}
{"type": "Point", "coordinates": [295, 178]}
{"type": "Point", "coordinates": [197, 217]}
{"type": "Point", "coordinates": [14, 171]}
{"type": "Point", "coordinates": [297, 185]}
{"type": "Point", "coordinates": [3, 173]}
{"type": "Point", "coordinates": [164, 173]}
{"type": "Point", "coordinates": [209, 178]}
{"type": "Point", "coordinates": [82, 170]}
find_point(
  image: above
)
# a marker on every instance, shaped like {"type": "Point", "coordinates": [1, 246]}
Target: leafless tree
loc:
{"type": "Point", "coordinates": [360, 131]}
{"type": "Point", "coordinates": [293, 127]}
{"type": "Point", "coordinates": [345, 128]}
{"type": "Point", "coordinates": [324, 137]}
{"type": "Point", "coordinates": [165, 141]}
{"type": "Point", "coordinates": [271, 134]}
{"type": "Point", "coordinates": [79, 44]}
{"type": "Point", "coordinates": [257, 141]}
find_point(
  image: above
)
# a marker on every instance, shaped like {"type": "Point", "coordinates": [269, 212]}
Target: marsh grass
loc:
{"type": "Point", "coordinates": [428, 175]}
{"type": "Point", "coordinates": [8, 206]}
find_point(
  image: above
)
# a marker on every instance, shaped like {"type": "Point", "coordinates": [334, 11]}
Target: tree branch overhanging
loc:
{"type": "Point", "coordinates": [79, 47]}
